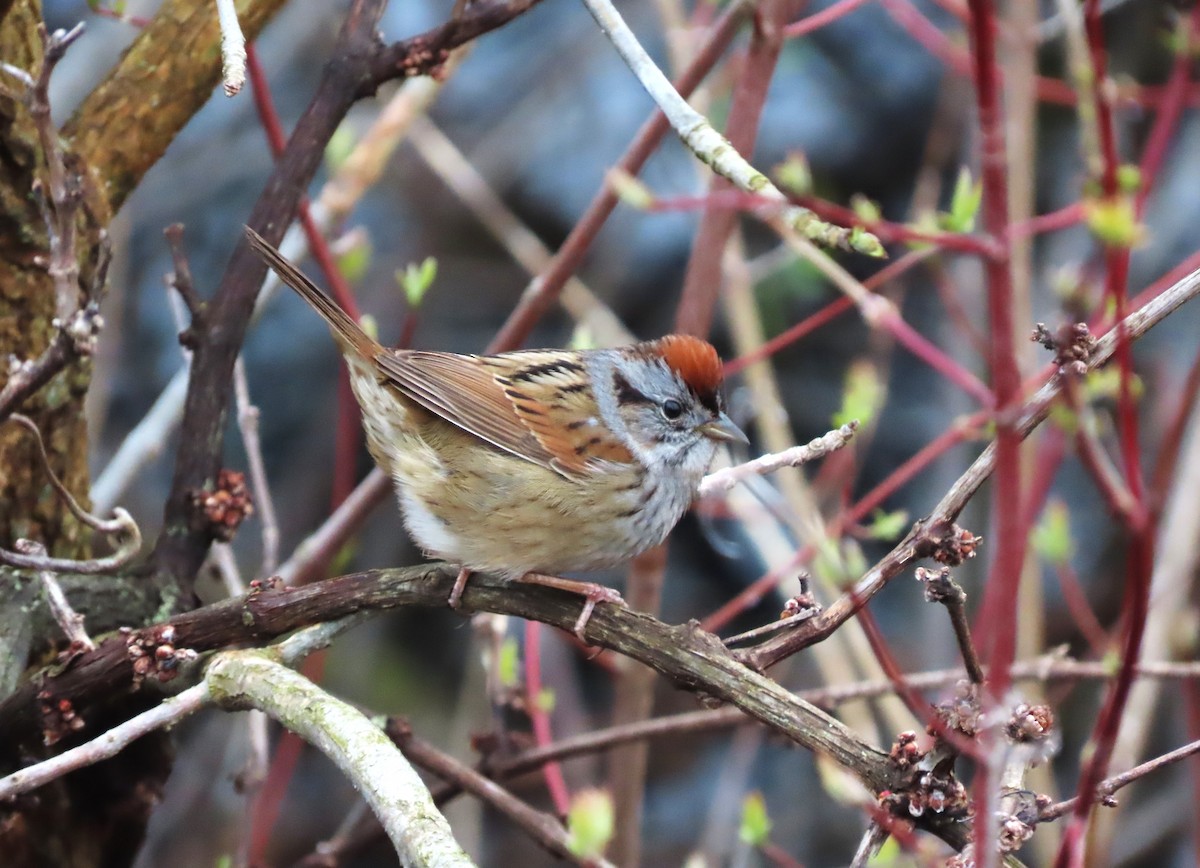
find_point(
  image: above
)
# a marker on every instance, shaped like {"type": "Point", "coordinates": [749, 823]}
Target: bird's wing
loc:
{"type": "Point", "coordinates": [536, 404]}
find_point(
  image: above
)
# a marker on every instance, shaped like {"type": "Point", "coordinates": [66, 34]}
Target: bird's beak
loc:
{"type": "Point", "coordinates": [722, 428]}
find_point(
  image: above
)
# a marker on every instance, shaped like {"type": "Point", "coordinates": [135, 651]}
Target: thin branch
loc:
{"type": "Point", "coordinates": [1107, 787]}
{"type": "Point", "coordinates": [108, 745]}
{"type": "Point", "coordinates": [723, 480]}
{"type": "Point", "coordinates": [121, 527]}
{"type": "Point", "coordinates": [542, 827]}
{"type": "Point", "coordinates": [76, 325]}
{"type": "Point", "coordinates": [1028, 417]}
{"type": "Point", "coordinates": [541, 292]}
{"type": "Point", "coordinates": [247, 415]}
{"type": "Point", "coordinates": [67, 618]}
{"type": "Point", "coordinates": [713, 149]}
{"type": "Point", "coordinates": [425, 53]}
{"type": "Point", "coordinates": [940, 588]}
{"type": "Point", "coordinates": [233, 48]}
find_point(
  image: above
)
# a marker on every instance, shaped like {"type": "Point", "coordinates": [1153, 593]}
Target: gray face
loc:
{"type": "Point", "coordinates": [662, 415]}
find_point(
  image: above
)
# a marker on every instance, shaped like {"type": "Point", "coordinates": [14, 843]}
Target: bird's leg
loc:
{"type": "Point", "coordinates": [590, 591]}
{"type": "Point", "coordinates": [460, 585]}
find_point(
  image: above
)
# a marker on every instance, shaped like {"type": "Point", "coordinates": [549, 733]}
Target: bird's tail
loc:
{"type": "Point", "coordinates": [346, 331]}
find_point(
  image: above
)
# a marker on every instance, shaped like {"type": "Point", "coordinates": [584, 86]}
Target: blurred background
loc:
{"type": "Point", "coordinates": [541, 109]}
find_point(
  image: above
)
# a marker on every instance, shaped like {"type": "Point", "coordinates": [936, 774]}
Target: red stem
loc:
{"type": "Point", "coordinates": [1081, 610]}
{"type": "Point", "coordinates": [1004, 580]}
{"type": "Point", "coordinates": [826, 314]}
{"type": "Point", "coordinates": [1140, 559]}
{"type": "Point", "coordinates": [540, 718]}
{"type": "Point", "coordinates": [825, 17]}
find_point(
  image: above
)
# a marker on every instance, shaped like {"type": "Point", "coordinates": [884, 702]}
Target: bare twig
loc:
{"type": "Point", "coordinates": [940, 588]}
{"type": "Point", "coordinates": [67, 618]}
{"type": "Point", "coordinates": [542, 827]}
{"type": "Point", "coordinates": [121, 527]}
{"type": "Point", "coordinates": [107, 745]}
{"type": "Point", "coordinates": [1107, 787]}
{"type": "Point", "coordinates": [233, 48]}
{"type": "Point", "coordinates": [76, 324]}
{"type": "Point", "coordinates": [1028, 417]}
{"type": "Point", "coordinates": [248, 424]}
{"type": "Point", "coordinates": [713, 149]}
{"type": "Point", "coordinates": [723, 480]}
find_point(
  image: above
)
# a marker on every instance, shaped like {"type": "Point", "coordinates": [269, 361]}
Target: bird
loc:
{"type": "Point", "coordinates": [533, 463]}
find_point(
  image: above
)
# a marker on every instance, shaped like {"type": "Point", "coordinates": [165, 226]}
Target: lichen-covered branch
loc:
{"type": "Point", "coordinates": [396, 794]}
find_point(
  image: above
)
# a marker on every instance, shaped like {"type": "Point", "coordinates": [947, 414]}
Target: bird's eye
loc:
{"type": "Point", "coordinates": [672, 409]}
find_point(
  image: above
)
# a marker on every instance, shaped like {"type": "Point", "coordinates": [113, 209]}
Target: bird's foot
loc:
{"type": "Point", "coordinates": [590, 591]}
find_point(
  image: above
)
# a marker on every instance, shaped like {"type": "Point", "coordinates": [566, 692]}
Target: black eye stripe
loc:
{"type": "Point", "coordinates": [626, 393]}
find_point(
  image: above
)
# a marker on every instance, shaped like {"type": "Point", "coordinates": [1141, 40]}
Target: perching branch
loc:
{"type": "Point", "coordinates": [685, 654]}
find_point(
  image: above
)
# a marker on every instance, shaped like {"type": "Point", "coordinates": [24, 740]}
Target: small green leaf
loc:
{"type": "Point", "coordinates": [888, 526]}
{"type": "Point", "coordinates": [341, 145]}
{"type": "Point", "coordinates": [506, 665]}
{"type": "Point", "coordinates": [590, 823]}
{"type": "Point", "coordinates": [415, 280]}
{"type": "Point", "coordinates": [1105, 384]}
{"type": "Point", "coordinates": [862, 241]}
{"type": "Point", "coordinates": [964, 204]}
{"type": "Point", "coordinates": [862, 396]}
{"type": "Point", "coordinates": [794, 174]}
{"type": "Point", "coordinates": [630, 190]}
{"type": "Point", "coordinates": [830, 564]}
{"type": "Point", "coordinates": [582, 338]}
{"type": "Point", "coordinates": [865, 209]}
{"type": "Point", "coordinates": [1064, 418]}
{"type": "Point", "coordinates": [341, 561]}
{"type": "Point", "coordinates": [755, 828]}
{"type": "Point", "coordinates": [354, 259]}
{"type": "Point", "coordinates": [1129, 178]}
{"type": "Point", "coordinates": [1113, 221]}
{"type": "Point", "coordinates": [1111, 661]}
{"type": "Point", "coordinates": [545, 700]}
{"type": "Point", "coordinates": [1052, 537]}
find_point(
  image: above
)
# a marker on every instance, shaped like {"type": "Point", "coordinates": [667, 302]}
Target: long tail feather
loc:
{"type": "Point", "coordinates": [345, 330]}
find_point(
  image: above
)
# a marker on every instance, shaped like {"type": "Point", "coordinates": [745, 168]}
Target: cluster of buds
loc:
{"type": "Point", "coordinates": [804, 603]}
{"type": "Point", "coordinates": [929, 792]}
{"type": "Point", "coordinates": [59, 718]}
{"type": "Point", "coordinates": [905, 752]}
{"type": "Point", "coordinates": [226, 505]}
{"type": "Point", "coordinates": [1073, 345]}
{"type": "Point", "coordinates": [1030, 723]}
{"type": "Point", "coordinates": [270, 583]}
{"type": "Point", "coordinates": [939, 587]}
{"type": "Point", "coordinates": [962, 712]}
{"type": "Point", "coordinates": [955, 546]}
{"type": "Point", "coordinates": [154, 654]}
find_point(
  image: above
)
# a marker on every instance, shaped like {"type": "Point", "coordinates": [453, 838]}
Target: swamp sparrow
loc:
{"type": "Point", "coordinates": [539, 461]}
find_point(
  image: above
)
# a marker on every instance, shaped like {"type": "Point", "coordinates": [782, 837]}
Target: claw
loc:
{"type": "Point", "coordinates": [460, 584]}
{"type": "Point", "coordinates": [590, 591]}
